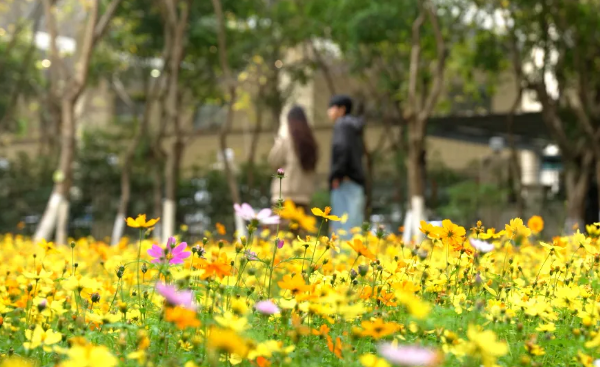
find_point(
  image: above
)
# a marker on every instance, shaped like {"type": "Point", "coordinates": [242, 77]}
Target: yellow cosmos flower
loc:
{"type": "Point", "coordinates": [89, 355]}
{"type": "Point", "coordinates": [140, 222]}
{"type": "Point", "coordinates": [483, 345]}
{"type": "Point", "coordinates": [229, 320]}
{"type": "Point", "coordinates": [40, 338]}
{"type": "Point", "coordinates": [371, 360]}
{"type": "Point", "coordinates": [325, 214]}
{"type": "Point", "coordinates": [516, 228]}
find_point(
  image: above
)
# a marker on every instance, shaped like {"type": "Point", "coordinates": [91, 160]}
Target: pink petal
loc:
{"type": "Point", "coordinates": [263, 214]}
{"type": "Point", "coordinates": [270, 220]}
{"type": "Point", "coordinates": [182, 246]}
{"type": "Point", "coordinates": [155, 251]}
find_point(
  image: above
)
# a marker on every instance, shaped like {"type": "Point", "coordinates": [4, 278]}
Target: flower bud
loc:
{"type": "Point", "coordinates": [363, 270]}
{"type": "Point", "coordinates": [353, 274]}
{"type": "Point", "coordinates": [42, 305]}
{"type": "Point", "coordinates": [280, 173]}
{"type": "Point", "coordinates": [72, 244]}
{"type": "Point", "coordinates": [95, 297]}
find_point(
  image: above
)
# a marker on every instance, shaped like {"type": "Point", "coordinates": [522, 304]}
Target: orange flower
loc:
{"type": "Point", "coordinates": [323, 330]}
{"type": "Point", "coordinates": [262, 362]}
{"type": "Point", "coordinates": [182, 317]}
{"type": "Point", "coordinates": [325, 214]}
{"type": "Point", "coordinates": [337, 349]}
{"type": "Point", "coordinates": [378, 329]}
{"type": "Point", "coordinates": [295, 284]}
{"type": "Point", "coordinates": [221, 229]}
{"type": "Point", "coordinates": [140, 222]}
{"type": "Point", "coordinates": [220, 267]}
{"type": "Point", "coordinates": [361, 249]}
{"type": "Point", "coordinates": [536, 224]}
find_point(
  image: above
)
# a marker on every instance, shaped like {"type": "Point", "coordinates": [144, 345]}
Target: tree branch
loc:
{"type": "Point", "coordinates": [415, 54]}
{"type": "Point", "coordinates": [438, 79]}
{"type": "Point", "coordinates": [105, 20]}
{"type": "Point", "coordinates": [83, 65]}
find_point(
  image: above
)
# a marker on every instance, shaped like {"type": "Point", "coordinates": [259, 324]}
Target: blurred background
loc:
{"type": "Point", "coordinates": [487, 109]}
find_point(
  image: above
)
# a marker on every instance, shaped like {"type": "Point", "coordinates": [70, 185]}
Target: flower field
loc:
{"type": "Point", "coordinates": [461, 297]}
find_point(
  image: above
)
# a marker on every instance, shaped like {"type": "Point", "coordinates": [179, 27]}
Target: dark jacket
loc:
{"type": "Point", "coordinates": [347, 150]}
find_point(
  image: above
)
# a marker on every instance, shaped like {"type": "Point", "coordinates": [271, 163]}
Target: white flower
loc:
{"type": "Point", "coordinates": [480, 245]}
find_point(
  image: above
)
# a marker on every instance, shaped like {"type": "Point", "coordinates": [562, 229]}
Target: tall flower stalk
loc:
{"type": "Point", "coordinates": [278, 243]}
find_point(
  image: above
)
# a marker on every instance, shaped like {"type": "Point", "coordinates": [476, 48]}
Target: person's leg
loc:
{"type": "Point", "coordinates": [338, 207]}
{"type": "Point", "coordinates": [356, 204]}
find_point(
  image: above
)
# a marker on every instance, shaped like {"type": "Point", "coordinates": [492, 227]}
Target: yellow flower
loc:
{"type": "Point", "coordinates": [451, 233]}
{"type": "Point", "coordinates": [549, 327]}
{"type": "Point", "coordinates": [371, 360]}
{"type": "Point", "coordinates": [430, 230]}
{"type": "Point", "coordinates": [536, 224]}
{"type": "Point", "coordinates": [516, 228]}
{"type": "Point", "coordinates": [415, 306]}
{"type": "Point", "coordinates": [226, 341]}
{"type": "Point", "coordinates": [325, 214]}
{"type": "Point", "coordinates": [48, 247]}
{"type": "Point", "coordinates": [483, 345]}
{"type": "Point", "coordinates": [378, 329]}
{"type": "Point", "coordinates": [229, 320]}
{"type": "Point", "coordinates": [16, 362]}
{"type": "Point", "coordinates": [297, 216]}
{"type": "Point", "coordinates": [89, 355]}
{"type": "Point", "coordinates": [38, 337]}
{"type": "Point", "coordinates": [140, 222]}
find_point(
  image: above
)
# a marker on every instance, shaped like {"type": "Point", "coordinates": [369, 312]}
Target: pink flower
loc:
{"type": "Point", "coordinates": [280, 243]}
{"type": "Point", "coordinates": [408, 356]}
{"type": "Point", "coordinates": [480, 245]}
{"type": "Point", "coordinates": [171, 254]}
{"type": "Point", "coordinates": [175, 297]}
{"type": "Point", "coordinates": [266, 307]}
{"type": "Point", "coordinates": [264, 216]}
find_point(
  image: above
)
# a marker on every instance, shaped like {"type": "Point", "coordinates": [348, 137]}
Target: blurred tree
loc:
{"type": "Point", "coordinates": [67, 90]}
{"type": "Point", "coordinates": [554, 50]}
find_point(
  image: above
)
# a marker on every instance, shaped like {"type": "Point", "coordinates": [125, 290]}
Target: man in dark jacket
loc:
{"type": "Point", "coordinates": [347, 177]}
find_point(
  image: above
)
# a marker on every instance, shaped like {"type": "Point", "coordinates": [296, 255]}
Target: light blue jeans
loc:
{"type": "Point", "coordinates": [348, 198]}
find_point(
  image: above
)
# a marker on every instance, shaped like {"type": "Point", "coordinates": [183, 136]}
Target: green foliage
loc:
{"type": "Point", "coordinates": [468, 197]}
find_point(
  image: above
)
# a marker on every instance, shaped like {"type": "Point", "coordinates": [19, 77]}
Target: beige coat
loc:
{"type": "Point", "coordinates": [297, 185]}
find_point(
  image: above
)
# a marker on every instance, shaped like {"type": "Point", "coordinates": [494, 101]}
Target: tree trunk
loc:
{"type": "Point", "coordinates": [231, 90]}
{"type": "Point", "coordinates": [416, 174]}
{"type": "Point", "coordinates": [577, 176]}
{"type": "Point", "coordinates": [171, 181]}
{"type": "Point", "coordinates": [254, 142]}
{"type": "Point", "coordinates": [157, 196]}
{"type": "Point", "coordinates": [63, 176]}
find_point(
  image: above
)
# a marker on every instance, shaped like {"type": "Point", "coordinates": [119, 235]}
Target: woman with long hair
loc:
{"type": "Point", "coordinates": [296, 152]}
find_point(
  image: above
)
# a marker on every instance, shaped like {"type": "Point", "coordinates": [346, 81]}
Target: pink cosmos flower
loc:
{"type": "Point", "coordinates": [171, 254]}
{"type": "Point", "coordinates": [408, 356]}
{"type": "Point", "coordinates": [480, 245]}
{"type": "Point", "coordinates": [175, 297]}
{"type": "Point", "coordinates": [264, 216]}
{"type": "Point", "coordinates": [280, 243]}
{"type": "Point", "coordinates": [266, 307]}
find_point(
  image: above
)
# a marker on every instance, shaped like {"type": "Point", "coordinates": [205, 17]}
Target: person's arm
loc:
{"type": "Point", "coordinates": [340, 154]}
{"type": "Point", "coordinates": [276, 157]}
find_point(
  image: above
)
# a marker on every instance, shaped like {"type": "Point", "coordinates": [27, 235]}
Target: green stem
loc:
{"type": "Point", "coordinates": [139, 287]}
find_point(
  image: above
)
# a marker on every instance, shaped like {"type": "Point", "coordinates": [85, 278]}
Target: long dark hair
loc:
{"type": "Point", "coordinates": [303, 138]}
